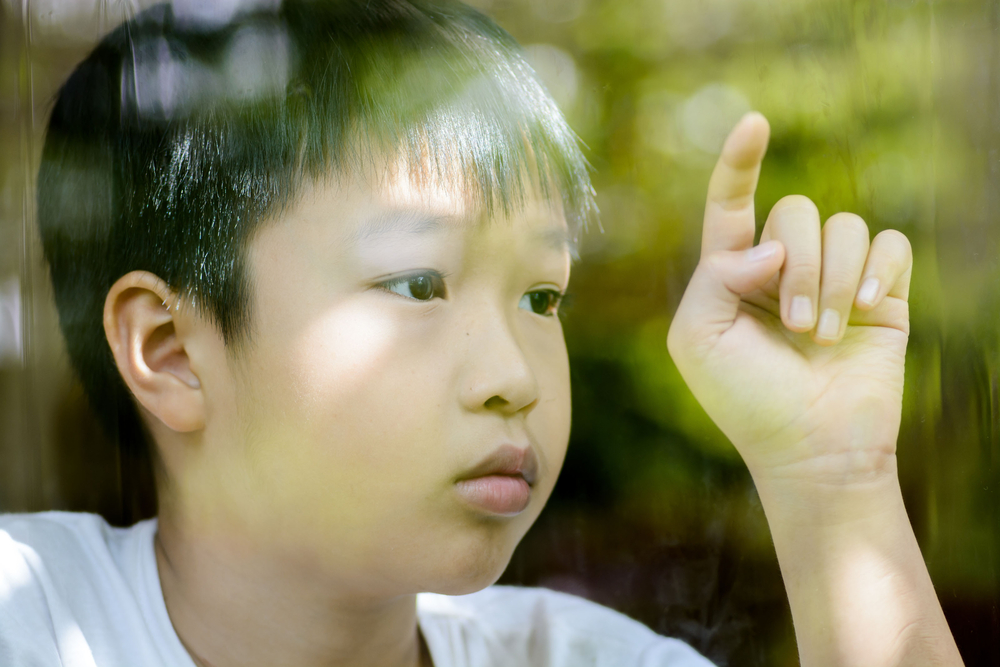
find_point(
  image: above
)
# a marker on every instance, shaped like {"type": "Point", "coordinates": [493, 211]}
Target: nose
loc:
{"type": "Point", "coordinates": [498, 376]}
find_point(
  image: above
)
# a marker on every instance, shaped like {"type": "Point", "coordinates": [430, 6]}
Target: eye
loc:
{"type": "Point", "coordinates": [541, 302]}
{"type": "Point", "coordinates": [422, 286]}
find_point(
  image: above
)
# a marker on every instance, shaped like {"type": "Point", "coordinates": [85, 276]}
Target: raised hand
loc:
{"type": "Point", "coordinates": [795, 346]}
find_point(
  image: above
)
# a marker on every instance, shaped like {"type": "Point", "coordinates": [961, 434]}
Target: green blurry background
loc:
{"type": "Point", "coordinates": [890, 109]}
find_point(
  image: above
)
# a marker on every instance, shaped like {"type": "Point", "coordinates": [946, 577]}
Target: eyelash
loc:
{"type": "Point", "coordinates": [552, 308]}
{"type": "Point", "coordinates": [437, 290]}
{"type": "Point", "coordinates": [436, 284]}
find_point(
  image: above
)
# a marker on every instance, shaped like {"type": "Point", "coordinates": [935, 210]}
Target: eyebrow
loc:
{"type": "Point", "coordinates": [415, 222]}
{"type": "Point", "coordinates": [558, 238]}
{"type": "Point", "coordinates": [393, 222]}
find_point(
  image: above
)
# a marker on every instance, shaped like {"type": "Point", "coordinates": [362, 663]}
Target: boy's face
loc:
{"type": "Point", "coordinates": [401, 345]}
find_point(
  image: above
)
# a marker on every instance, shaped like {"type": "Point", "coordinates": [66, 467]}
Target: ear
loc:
{"type": "Point", "coordinates": [142, 321]}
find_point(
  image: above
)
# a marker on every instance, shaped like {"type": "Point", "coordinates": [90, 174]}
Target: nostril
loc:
{"type": "Point", "coordinates": [496, 402]}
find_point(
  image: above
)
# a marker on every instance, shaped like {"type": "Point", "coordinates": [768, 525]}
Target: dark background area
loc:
{"type": "Point", "coordinates": [889, 109]}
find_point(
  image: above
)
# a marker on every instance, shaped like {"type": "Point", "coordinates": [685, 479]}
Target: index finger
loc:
{"type": "Point", "coordinates": [729, 214]}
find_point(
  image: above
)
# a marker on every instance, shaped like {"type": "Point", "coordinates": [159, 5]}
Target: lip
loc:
{"type": "Point", "coordinates": [506, 459]}
{"type": "Point", "coordinates": [501, 483]}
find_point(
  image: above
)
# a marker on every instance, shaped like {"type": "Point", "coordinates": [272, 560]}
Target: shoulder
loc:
{"type": "Point", "coordinates": [53, 530]}
{"type": "Point", "coordinates": [539, 626]}
{"type": "Point", "coordinates": [60, 581]}
{"type": "Point", "coordinates": [63, 544]}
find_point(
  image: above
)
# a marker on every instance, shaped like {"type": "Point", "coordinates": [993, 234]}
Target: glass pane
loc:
{"type": "Point", "coordinates": [890, 110]}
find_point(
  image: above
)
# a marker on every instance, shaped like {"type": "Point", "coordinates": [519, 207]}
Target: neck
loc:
{"type": "Point", "coordinates": [233, 606]}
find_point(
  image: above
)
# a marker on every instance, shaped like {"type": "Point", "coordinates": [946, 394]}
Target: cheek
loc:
{"type": "Point", "coordinates": [353, 387]}
{"type": "Point", "coordinates": [352, 423]}
{"type": "Point", "coordinates": [338, 357]}
{"type": "Point", "coordinates": [346, 424]}
{"type": "Point", "coordinates": [550, 420]}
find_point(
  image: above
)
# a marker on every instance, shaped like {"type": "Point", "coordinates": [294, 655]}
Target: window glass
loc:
{"type": "Point", "coordinates": [890, 110]}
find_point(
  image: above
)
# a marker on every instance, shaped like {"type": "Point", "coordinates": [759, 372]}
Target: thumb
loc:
{"type": "Point", "coordinates": [712, 298]}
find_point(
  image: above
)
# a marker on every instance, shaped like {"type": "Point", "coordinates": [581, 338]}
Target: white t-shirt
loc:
{"type": "Point", "coordinates": [76, 592]}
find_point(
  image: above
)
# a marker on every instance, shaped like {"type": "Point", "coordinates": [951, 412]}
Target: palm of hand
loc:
{"type": "Point", "coordinates": [782, 398]}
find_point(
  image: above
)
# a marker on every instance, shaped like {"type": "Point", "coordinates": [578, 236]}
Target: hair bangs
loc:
{"type": "Point", "coordinates": [468, 112]}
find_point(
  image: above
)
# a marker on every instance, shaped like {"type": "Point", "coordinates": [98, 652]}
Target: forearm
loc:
{"type": "Point", "coordinates": [856, 581]}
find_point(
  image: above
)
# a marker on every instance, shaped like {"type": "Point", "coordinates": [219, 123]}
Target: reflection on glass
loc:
{"type": "Point", "coordinates": [885, 109]}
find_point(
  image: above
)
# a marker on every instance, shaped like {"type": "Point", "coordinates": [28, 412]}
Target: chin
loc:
{"type": "Point", "coordinates": [469, 567]}
{"type": "Point", "coordinates": [466, 583]}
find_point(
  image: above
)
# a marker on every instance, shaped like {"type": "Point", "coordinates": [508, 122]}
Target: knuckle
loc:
{"type": "Point", "coordinates": [714, 262]}
{"type": "Point", "coordinates": [845, 222]}
{"type": "Point", "coordinates": [793, 202]}
{"type": "Point", "coordinates": [896, 245]}
{"type": "Point", "coordinates": [839, 286]}
{"type": "Point", "coordinates": [734, 202]}
{"type": "Point", "coordinates": [801, 267]}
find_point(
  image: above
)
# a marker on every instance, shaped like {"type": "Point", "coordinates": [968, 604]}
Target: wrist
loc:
{"type": "Point", "coordinates": [820, 450]}
{"type": "Point", "coordinates": [829, 492]}
{"type": "Point", "coordinates": [844, 459]}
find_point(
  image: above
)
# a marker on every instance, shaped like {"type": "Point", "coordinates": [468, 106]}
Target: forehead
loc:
{"type": "Point", "coordinates": [400, 202]}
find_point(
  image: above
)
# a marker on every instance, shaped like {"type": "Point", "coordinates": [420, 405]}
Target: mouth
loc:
{"type": "Point", "coordinates": [501, 483]}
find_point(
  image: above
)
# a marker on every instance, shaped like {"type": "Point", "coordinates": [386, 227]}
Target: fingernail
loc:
{"type": "Point", "coordinates": [869, 291]}
{"type": "Point", "coordinates": [801, 311]}
{"type": "Point", "coordinates": [761, 252]}
{"type": "Point", "coordinates": [829, 324]}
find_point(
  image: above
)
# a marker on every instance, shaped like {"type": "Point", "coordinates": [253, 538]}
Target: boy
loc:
{"type": "Point", "coordinates": [312, 259]}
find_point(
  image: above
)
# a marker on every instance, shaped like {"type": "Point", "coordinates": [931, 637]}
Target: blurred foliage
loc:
{"type": "Point", "coordinates": [888, 108]}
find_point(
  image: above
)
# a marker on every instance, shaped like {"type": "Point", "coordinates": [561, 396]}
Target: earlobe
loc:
{"type": "Point", "coordinates": [142, 323]}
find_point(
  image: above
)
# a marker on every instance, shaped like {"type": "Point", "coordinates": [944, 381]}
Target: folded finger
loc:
{"type": "Point", "coordinates": [891, 312]}
{"type": "Point", "coordinates": [845, 250]}
{"type": "Point", "coordinates": [794, 221]}
{"type": "Point", "coordinates": [887, 270]}
{"type": "Point", "coordinates": [770, 288]}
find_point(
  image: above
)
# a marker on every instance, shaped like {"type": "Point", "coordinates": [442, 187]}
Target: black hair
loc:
{"type": "Point", "coordinates": [180, 135]}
